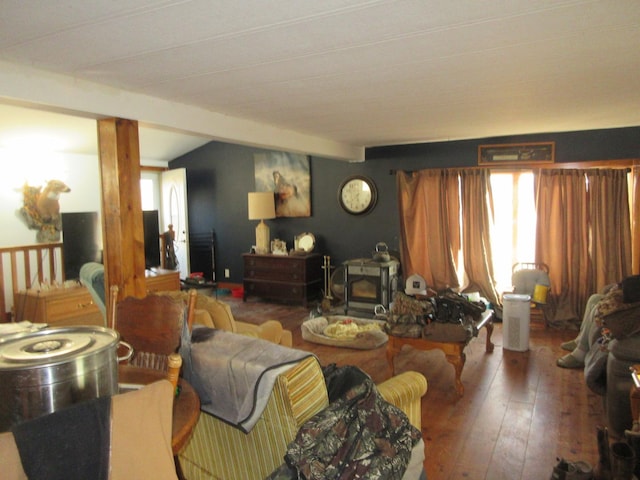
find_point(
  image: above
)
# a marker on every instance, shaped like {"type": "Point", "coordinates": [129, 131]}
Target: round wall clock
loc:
{"type": "Point", "coordinates": [357, 195]}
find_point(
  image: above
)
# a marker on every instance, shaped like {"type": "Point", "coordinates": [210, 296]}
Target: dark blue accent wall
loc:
{"type": "Point", "coordinates": [219, 176]}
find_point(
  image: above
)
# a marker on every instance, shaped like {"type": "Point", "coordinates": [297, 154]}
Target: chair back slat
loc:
{"type": "Point", "coordinates": [150, 360]}
{"type": "Point", "coordinates": [151, 325]}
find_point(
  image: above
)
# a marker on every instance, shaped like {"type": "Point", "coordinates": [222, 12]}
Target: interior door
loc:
{"type": "Point", "coordinates": [174, 212]}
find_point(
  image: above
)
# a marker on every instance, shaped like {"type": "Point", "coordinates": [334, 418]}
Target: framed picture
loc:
{"type": "Point", "coordinates": [288, 176]}
{"type": "Point", "coordinates": [279, 247]}
{"type": "Point", "coordinates": [516, 153]}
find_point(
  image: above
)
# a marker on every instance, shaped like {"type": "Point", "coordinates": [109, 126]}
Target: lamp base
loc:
{"type": "Point", "coordinates": [263, 240]}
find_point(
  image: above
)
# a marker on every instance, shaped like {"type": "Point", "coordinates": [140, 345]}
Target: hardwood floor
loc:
{"type": "Point", "coordinates": [518, 414]}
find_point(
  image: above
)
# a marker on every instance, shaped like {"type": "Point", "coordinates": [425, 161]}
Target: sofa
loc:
{"type": "Point", "coordinates": [622, 355]}
{"type": "Point", "coordinates": [91, 275]}
{"type": "Point", "coordinates": [218, 450]}
{"type": "Point", "coordinates": [214, 313]}
{"type": "Point", "coordinates": [608, 363]}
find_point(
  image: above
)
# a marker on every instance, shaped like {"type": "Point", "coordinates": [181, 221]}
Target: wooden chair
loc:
{"type": "Point", "coordinates": [151, 325]}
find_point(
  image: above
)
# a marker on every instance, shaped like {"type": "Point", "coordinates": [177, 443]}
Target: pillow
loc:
{"type": "Point", "coordinates": [141, 433]}
{"type": "Point", "coordinates": [10, 463]}
{"type": "Point", "coordinates": [140, 437]}
{"type": "Point", "coordinates": [220, 313]}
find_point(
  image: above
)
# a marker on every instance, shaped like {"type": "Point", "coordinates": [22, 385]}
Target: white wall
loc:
{"type": "Point", "coordinates": [80, 172]}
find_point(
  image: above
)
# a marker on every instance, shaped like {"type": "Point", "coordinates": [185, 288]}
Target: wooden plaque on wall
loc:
{"type": "Point", "coordinates": [516, 153]}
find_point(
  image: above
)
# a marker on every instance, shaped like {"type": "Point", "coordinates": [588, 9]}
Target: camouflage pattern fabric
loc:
{"type": "Point", "coordinates": [358, 436]}
{"type": "Point", "coordinates": [620, 318]}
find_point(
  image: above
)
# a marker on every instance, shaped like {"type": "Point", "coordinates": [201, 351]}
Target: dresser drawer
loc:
{"type": "Point", "coordinates": [283, 277]}
{"type": "Point", "coordinates": [58, 307]}
{"type": "Point", "coordinates": [70, 306]}
{"type": "Point", "coordinates": [284, 291]}
{"type": "Point", "coordinates": [275, 263]}
{"type": "Point", "coordinates": [82, 318]}
{"type": "Point", "coordinates": [278, 275]}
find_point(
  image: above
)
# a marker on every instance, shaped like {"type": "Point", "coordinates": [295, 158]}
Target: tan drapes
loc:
{"type": "Point", "coordinates": [583, 235]}
{"type": "Point", "coordinates": [477, 216]}
{"type": "Point", "coordinates": [610, 227]}
{"type": "Point", "coordinates": [442, 211]}
{"type": "Point", "coordinates": [426, 212]}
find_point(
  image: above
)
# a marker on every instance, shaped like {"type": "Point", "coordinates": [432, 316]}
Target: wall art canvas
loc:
{"type": "Point", "coordinates": [288, 176]}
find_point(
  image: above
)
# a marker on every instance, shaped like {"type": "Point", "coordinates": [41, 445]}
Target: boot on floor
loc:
{"type": "Point", "coordinates": [603, 467]}
{"type": "Point", "coordinates": [563, 470]}
{"type": "Point", "coordinates": [633, 439]}
{"type": "Point", "coordinates": [623, 461]}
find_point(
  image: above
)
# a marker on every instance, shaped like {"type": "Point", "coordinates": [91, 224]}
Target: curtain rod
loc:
{"type": "Point", "coordinates": [571, 166]}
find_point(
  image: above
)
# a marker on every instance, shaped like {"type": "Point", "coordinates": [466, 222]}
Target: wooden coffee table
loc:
{"type": "Point", "coordinates": [453, 351]}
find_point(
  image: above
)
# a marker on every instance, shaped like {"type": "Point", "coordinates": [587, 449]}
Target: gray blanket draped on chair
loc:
{"type": "Point", "coordinates": [234, 374]}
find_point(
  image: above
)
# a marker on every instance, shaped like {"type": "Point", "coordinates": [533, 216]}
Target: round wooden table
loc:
{"type": "Point", "coordinates": [186, 406]}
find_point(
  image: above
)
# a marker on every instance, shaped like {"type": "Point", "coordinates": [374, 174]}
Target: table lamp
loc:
{"type": "Point", "coordinates": [262, 207]}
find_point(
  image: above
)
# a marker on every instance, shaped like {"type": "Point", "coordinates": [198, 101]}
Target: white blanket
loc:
{"type": "Point", "coordinates": [234, 374]}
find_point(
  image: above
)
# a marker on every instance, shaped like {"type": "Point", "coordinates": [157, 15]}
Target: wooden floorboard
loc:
{"type": "Point", "coordinates": [518, 414]}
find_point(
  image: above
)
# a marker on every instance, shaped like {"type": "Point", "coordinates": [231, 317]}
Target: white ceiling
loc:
{"type": "Point", "coordinates": [29, 128]}
{"type": "Point", "coordinates": [354, 72]}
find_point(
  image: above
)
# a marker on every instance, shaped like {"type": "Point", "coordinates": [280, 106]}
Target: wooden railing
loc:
{"type": "Point", "coordinates": [24, 266]}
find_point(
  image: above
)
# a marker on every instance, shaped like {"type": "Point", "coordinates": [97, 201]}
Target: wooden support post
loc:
{"type": "Point", "coordinates": [635, 219]}
{"type": "Point", "coordinates": [122, 228]}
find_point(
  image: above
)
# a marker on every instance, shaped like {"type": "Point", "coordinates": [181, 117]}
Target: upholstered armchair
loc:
{"type": "Point", "coordinates": [214, 313]}
{"type": "Point", "coordinates": [220, 451]}
{"type": "Point", "coordinates": [92, 276]}
{"type": "Point", "coordinates": [623, 354]}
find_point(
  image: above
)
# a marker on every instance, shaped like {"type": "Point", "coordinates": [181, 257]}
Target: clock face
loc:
{"type": "Point", "coordinates": [357, 195]}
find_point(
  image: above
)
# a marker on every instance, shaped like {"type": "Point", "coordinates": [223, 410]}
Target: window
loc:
{"type": "Point", "coordinates": [514, 231]}
{"type": "Point", "coordinates": [150, 184]}
{"type": "Point", "coordinates": [147, 194]}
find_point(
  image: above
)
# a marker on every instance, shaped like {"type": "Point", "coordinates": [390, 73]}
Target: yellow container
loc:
{"type": "Point", "coordinates": [540, 293]}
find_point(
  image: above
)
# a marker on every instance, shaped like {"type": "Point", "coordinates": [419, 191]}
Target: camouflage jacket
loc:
{"type": "Point", "coordinates": [357, 436]}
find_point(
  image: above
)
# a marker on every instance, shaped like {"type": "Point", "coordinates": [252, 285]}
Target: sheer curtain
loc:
{"type": "Point", "coordinates": [445, 219]}
{"type": "Point", "coordinates": [583, 234]}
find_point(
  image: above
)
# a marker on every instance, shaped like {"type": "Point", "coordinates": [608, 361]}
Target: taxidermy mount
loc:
{"type": "Point", "coordinates": [41, 210]}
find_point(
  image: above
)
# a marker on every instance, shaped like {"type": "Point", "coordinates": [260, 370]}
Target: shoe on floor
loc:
{"type": "Point", "coordinates": [569, 346]}
{"type": "Point", "coordinates": [567, 470]}
{"type": "Point", "coordinates": [569, 361]}
{"type": "Point", "coordinates": [584, 470]}
{"type": "Point", "coordinates": [563, 470]}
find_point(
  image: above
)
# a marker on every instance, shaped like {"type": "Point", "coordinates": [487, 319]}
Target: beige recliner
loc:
{"type": "Point", "coordinates": [214, 313]}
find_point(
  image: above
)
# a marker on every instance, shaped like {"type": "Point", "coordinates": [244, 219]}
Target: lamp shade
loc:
{"type": "Point", "coordinates": [261, 206]}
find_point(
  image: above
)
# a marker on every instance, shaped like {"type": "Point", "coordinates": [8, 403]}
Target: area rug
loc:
{"type": "Point", "coordinates": [345, 331]}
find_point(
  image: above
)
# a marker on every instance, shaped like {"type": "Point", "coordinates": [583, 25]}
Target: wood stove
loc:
{"type": "Point", "coordinates": [368, 283]}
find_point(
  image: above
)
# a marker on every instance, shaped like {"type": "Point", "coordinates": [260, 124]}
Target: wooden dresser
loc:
{"type": "Point", "coordinates": [74, 305]}
{"type": "Point", "coordinates": [283, 277]}
{"type": "Point", "coordinates": [58, 306]}
{"type": "Point", "coordinates": [159, 280]}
